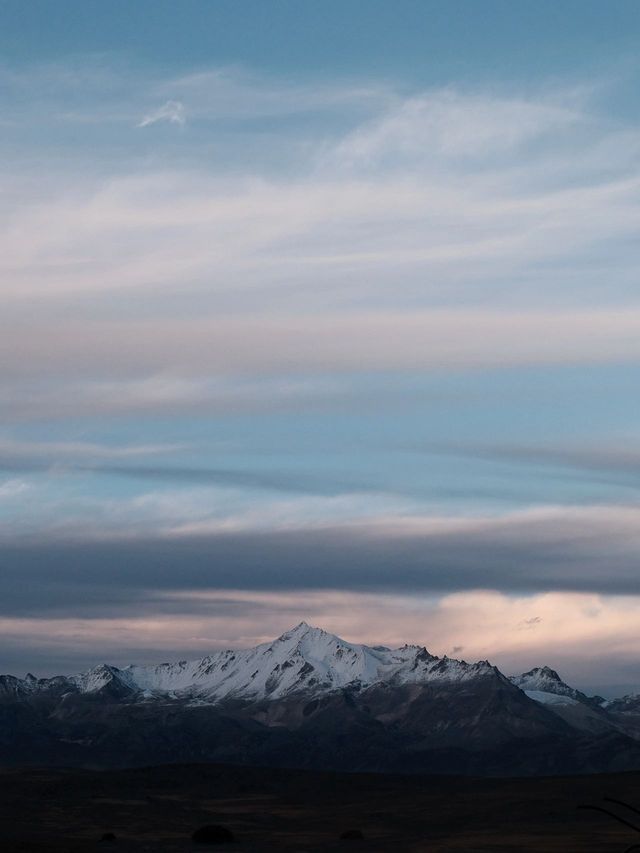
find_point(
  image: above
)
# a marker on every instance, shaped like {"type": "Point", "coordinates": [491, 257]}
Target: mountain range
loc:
{"type": "Point", "coordinates": [311, 699]}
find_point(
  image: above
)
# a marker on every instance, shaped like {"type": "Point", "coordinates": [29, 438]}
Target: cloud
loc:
{"type": "Point", "coordinates": [280, 239]}
{"type": "Point", "coordinates": [171, 111]}
{"type": "Point", "coordinates": [73, 390]}
{"type": "Point", "coordinates": [424, 231]}
{"type": "Point", "coordinates": [15, 452]}
{"type": "Point", "coordinates": [613, 461]}
{"type": "Point", "coordinates": [531, 622]}
{"type": "Point", "coordinates": [326, 228]}
{"type": "Point", "coordinates": [10, 489]}
{"type": "Point", "coordinates": [236, 93]}
{"type": "Point", "coordinates": [86, 459]}
{"type": "Point", "coordinates": [621, 459]}
{"type": "Point", "coordinates": [321, 344]}
{"type": "Point", "coordinates": [579, 549]}
{"type": "Point", "coordinates": [186, 505]}
{"type": "Point", "coordinates": [451, 124]}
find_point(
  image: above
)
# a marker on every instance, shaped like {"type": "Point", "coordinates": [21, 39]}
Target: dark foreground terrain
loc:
{"type": "Point", "coordinates": [158, 808]}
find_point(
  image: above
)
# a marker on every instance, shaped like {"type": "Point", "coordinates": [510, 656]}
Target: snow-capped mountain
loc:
{"type": "Point", "coordinates": [625, 709]}
{"type": "Point", "coordinates": [545, 685]}
{"type": "Point", "coordinates": [582, 712]}
{"type": "Point", "coordinates": [627, 704]}
{"type": "Point", "coordinates": [302, 660]}
{"type": "Point", "coordinates": [311, 699]}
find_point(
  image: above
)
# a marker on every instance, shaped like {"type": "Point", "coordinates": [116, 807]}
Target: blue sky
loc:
{"type": "Point", "coordinates": [416, 41]}
{"type": "Point", "coordinates": [355, 278]}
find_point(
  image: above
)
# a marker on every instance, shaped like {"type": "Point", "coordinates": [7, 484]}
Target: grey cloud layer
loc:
{"type": "Point", "coordinates": [581, 549]}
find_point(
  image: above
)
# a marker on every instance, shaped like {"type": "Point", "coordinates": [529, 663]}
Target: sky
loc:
{"type": "Point", "coordinates": [322, 311]}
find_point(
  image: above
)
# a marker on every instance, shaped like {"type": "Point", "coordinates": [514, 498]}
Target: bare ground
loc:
{"type": "Point", "coordinates": [158, 808]}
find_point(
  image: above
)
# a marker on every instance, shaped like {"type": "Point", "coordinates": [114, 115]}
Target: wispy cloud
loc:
{"type": "Point", "coordinates": [15, 450]}
{"type": "Point", "coordinates": [448, 124]}
{"type": "Point", "coordinates": [34, 394]}
{"type": "Point", "coordinates": [620, 459]}
{"type": "Point", "coordinates": [10, 489]}
{"type": "Point", "coordinates": [171, 111]}
{"type": "Point", "coordinates": [431, 185]}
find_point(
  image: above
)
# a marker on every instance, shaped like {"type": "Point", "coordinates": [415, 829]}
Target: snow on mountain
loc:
{"type": "Point", "coordinates": [582, 712]}
{"type": "Point", "coordinates": [304, 659]}
{"type": "Point", "coordinates": [543, 679]}
{"type": "Point", "coordinates": [12, 687]}
{"type": "Point", "coordinates": [623, 704]}
{"type": "Point", "coordinates": [550, 698]}
{"type": "Point", "coordinates": [544, 685]}
{"type": "Point", "coordinates": [102, 677]}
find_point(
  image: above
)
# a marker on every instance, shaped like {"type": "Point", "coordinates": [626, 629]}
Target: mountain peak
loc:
{"type": "Point", "coordinates": [543, 671]}
{"type": "Point", "coordinates": [303, 629]}
{"type": "Point", "coordinates": [104, 676]}
{"type": "Point", "coordinates": [543, 679]}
